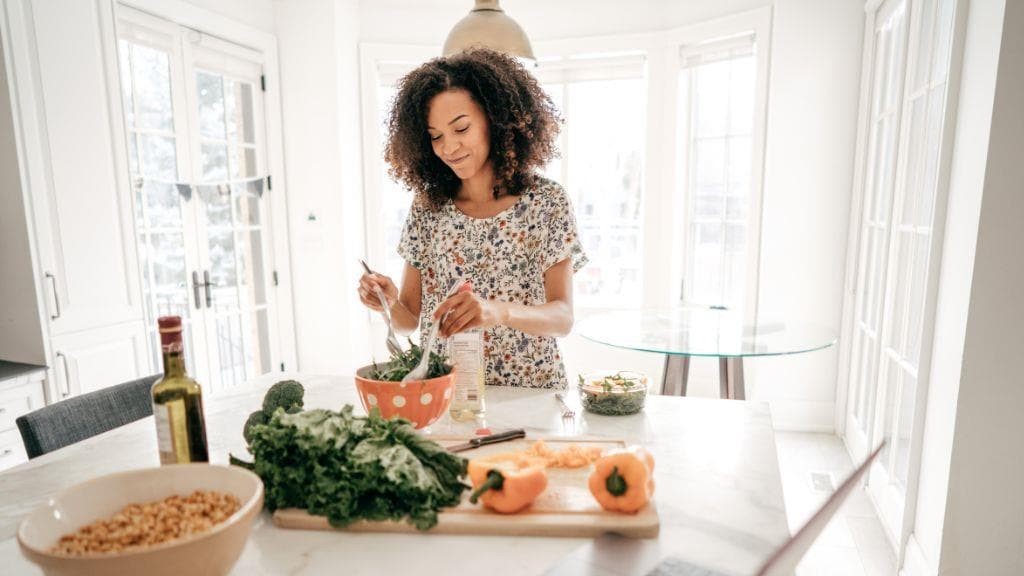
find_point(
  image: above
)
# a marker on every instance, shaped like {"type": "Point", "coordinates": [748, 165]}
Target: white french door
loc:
{"type": "Point", "coordinates": [903, 206]}
{"type": "Point", "coordinates": [913, 251]}
{"type": "Point", "coordinates": [890, 31]}
{"type": "Point", "coordinates": [197, 154]}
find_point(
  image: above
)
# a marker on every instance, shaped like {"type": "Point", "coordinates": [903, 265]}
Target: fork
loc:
{"type": "Point", "coordinates": [392, 342]}
{"type": "Point", "coordinates": [567, 413]}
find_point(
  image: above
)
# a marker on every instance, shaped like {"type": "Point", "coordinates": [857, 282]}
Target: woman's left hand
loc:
{"type": "Point", "coordinates": [467, 310]}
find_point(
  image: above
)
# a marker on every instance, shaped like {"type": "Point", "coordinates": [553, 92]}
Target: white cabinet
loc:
{"type": "Point", "coordinates": [12, 451]}
{"type": "Point", "coordinates": [61, 65]}
{"type": "Point", "coordinates": [94, 359]}
{"type": "Point", "coordinates": [83, 222]}
{"type": "Point", "coordinates": [18, 395]}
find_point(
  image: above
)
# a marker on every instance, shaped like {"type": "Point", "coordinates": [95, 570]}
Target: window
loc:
{"type": "Point", "coordinates": [906, 140]}
{"type": "Point", "coordinates": [716, 155]}
{"type": "Point", "coordinates": [902, 378]}
{"type": "Point", "coordinates": [888, 54]}
{"type": "Point", "coordinates": [601, 167]}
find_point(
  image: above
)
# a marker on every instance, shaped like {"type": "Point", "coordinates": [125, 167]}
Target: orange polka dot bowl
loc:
{"type": "Point", "coordinates": [421, 402]}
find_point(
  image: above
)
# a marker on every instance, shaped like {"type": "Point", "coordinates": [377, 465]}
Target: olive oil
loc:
{"type": "Point", "coordinates": [178, 402]}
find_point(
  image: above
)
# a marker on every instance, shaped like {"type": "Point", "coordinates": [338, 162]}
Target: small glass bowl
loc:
{"type": "Point", "coordinates": [613, 393]}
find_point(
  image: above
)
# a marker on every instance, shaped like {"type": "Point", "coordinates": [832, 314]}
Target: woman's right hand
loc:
{"type": "Point", "coordinates": [368, 296]}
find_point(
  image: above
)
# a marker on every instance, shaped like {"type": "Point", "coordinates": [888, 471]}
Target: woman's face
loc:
{"type": "Point", "coordinates": [459, 132]}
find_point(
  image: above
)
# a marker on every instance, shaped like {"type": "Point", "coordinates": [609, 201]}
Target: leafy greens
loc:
{"type": "Point", "coordinates": [402, 364]}
{"type": "Point", "coordinates": [350, 468]}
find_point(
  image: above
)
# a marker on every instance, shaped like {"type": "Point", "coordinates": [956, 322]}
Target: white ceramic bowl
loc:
{"type": "Point", "coordinates": [208, 553]}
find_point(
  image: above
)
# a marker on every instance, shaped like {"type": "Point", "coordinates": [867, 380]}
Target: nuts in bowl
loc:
{"type": "Point", "coordinates": [613, 393]}
{"type": "Point", "coordinates": [150, 523]}
{"type": "Point", "coordinates": [178, 519]}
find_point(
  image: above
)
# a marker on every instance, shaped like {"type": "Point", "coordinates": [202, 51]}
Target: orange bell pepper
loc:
{"type": "Point", "coordinates": [623, 479]}
{"type": "Point", "coordinates": [507, 483]}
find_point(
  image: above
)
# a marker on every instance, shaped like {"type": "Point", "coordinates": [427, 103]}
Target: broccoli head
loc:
{"type": "Point", "coordinates": [257, 417]}
{"type": "Point", "coordinates": [286, 394]}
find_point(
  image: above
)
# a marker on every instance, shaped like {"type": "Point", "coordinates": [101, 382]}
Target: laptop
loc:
{"type": "Point", "coordinates": [782, 562]}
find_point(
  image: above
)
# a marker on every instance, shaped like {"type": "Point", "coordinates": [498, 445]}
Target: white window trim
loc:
{"type": "Point", "coordinates": [265, 45]}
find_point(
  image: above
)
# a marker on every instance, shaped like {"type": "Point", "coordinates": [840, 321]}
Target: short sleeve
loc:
{"type": "Point", "coordinates": [561, 237]}
{"type": "Point", "coordinates": [415, 237]}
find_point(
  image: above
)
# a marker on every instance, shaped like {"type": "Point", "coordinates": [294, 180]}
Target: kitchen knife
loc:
{"type": "Point", "coordinates": [492, 439]}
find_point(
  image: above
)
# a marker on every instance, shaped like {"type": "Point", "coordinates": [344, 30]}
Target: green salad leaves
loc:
{"type": "Point", "coordinates": [350, 468]}
{"type": "Point", "coordinates": [402, 364]}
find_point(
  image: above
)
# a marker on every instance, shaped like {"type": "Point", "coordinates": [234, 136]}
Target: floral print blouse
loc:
{"type": "Point", "coordinates": [505, 257]}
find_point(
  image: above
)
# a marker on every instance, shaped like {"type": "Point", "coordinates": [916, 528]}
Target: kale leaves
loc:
{"type": "Point", "coordinates": [350, 468]}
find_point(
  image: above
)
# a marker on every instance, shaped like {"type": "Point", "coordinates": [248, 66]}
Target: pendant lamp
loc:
{"type": "Point", "coordinates": [487, 25]}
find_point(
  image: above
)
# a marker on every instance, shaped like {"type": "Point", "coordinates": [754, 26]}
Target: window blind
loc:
{"type": "Point", "coordinates": [717, 50]}
{"type": "Point", "coordinates": [565, 70]}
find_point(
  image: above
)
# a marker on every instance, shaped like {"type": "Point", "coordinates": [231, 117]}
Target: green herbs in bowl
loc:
{"type": "Point", "coordinates": [613, 393]}
{"type": "Point", "coordinates": [421, 402]}
{"type": "Point", "coordinates": [401, 364]}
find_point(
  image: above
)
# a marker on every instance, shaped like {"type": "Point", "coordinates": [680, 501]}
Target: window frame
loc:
{"type": "Point", "coordinates": [756, 23]}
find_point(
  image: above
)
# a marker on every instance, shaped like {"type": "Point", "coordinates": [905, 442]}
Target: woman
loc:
{"type": "Point", "coordinates": [468, 134]}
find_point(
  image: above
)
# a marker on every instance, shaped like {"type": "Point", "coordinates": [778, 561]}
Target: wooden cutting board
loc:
{"type": "Point", "coordinates": [565, 509]}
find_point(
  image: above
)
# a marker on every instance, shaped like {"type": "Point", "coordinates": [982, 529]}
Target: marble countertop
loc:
{"type": "Point", "coordinates": [719, 492]}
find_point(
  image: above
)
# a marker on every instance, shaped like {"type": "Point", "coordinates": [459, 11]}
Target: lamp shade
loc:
{"type": "Point", "coordinates": [487, 25]}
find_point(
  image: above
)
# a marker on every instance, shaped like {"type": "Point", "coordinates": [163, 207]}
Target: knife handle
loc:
{"type": "Point", "coordinates": [500, 437]}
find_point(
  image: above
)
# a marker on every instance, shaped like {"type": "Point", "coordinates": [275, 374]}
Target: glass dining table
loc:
{"type": "Point", "coordinates": [683, 333]}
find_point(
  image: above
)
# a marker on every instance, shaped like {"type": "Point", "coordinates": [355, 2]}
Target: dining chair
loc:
{"type": "Point", "coordinates": [75, 419]}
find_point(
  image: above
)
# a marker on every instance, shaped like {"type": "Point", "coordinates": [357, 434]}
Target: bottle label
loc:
{"type": "Point", "coordinates": [171, 432]}
{"type": "Point", "coordinates": [467, 354]}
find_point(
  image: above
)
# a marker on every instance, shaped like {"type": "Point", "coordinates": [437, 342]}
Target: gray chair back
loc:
{"type": "Point", "coordinates": [75, 419]}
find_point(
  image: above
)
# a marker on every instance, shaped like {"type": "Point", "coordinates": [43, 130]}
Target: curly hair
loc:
{"type": "Point", "coordinates": [522, 118]}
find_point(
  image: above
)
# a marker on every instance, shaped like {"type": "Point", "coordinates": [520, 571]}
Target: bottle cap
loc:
{"type": "Point", "coordinates": [169, 324]}
{"type": "Point", "coordinates": [170, 332]}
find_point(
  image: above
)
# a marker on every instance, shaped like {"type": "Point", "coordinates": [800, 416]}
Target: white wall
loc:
{"type": "Point", "coordinates": [258, 14]}
{"type": "Point", "coordinates": [812, 111]}
{"type": "Point", "coordinates": [967, 175]}
{"type": "Point", "coordinates": [317, 45]}
{"type": "Point", "coordinates": [812, 116]}
{"type": "Point", "coordinates": [984, 524]}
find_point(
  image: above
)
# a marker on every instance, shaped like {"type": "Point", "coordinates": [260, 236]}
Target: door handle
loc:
{"type": "Point", "coordinates": [196, 285]}
{"type": "Point", "coordinates": [56, 296]}
{"type": "Point", "coordinates": [209, 289]}
{"type": "Point", "coordinates": [66, 391]}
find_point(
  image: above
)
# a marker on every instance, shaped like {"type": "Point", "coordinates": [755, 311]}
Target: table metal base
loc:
{"type": "Point", "coordinates": [730, 376]}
